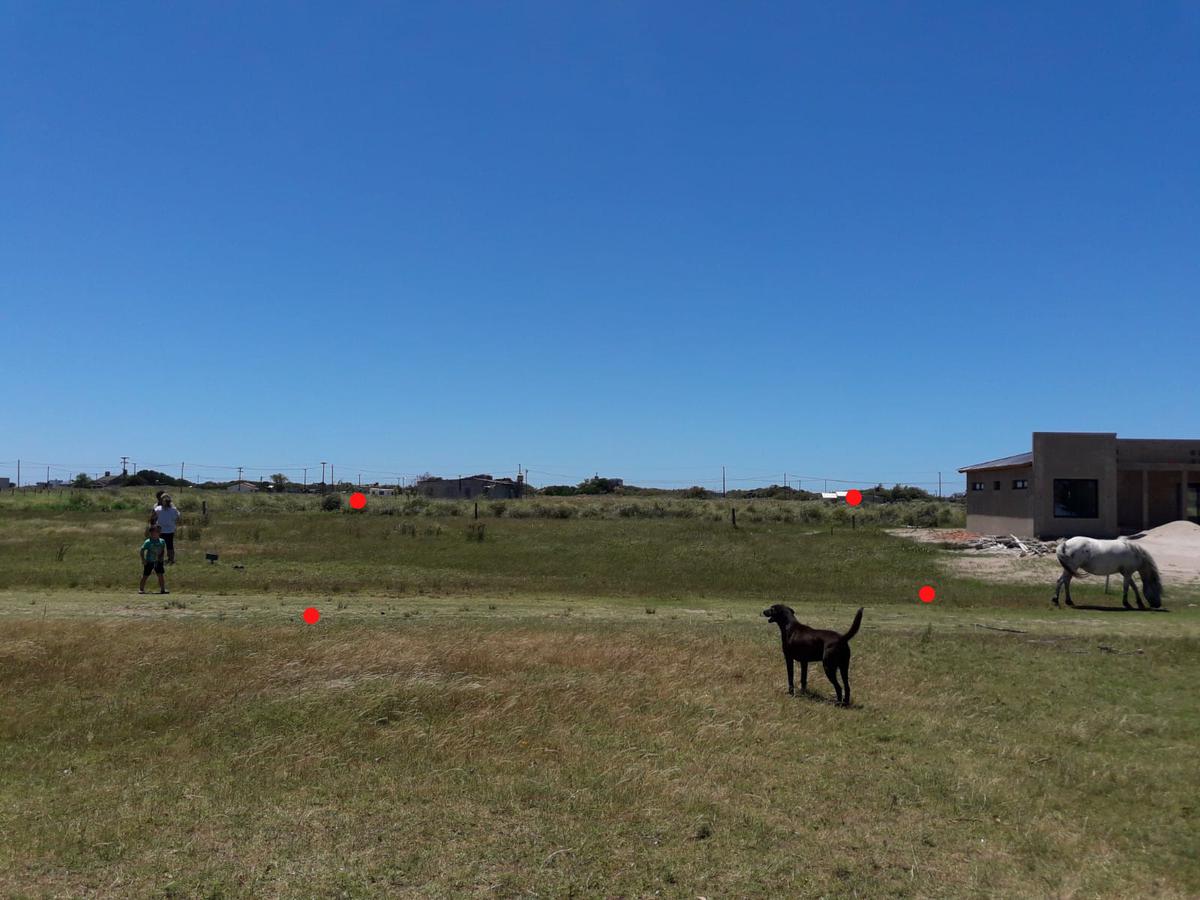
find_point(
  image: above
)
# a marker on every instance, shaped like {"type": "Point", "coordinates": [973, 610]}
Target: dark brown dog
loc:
{"type": "Point", "coordinates": [804, 645]}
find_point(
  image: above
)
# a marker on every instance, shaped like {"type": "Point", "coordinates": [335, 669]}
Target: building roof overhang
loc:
{"type": "Point", "coordinates": [1007, 462]}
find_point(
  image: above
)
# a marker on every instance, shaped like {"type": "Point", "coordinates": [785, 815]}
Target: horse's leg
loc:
{"type": "Point", "coordinates": [1067, 587]}
{"type": "Point", "coordinates": [1136, 592]}
{"type": "Point", "coordinates": [1126, 581]}
{"type": "Point", "coordinates": [1058, 587]}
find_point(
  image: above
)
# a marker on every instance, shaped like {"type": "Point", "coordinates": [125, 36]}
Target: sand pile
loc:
{"type": "Point", "coordinates": [1175, 547]}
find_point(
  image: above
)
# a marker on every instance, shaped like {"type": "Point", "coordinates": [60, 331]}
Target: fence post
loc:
{"type": "Point", "coordinates": [477, 509]}
{"type": "Point", "coordinates": [733, 516]}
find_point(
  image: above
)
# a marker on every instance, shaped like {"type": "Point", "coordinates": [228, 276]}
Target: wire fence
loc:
{"type": "Point", "coordinates": [40, 473]}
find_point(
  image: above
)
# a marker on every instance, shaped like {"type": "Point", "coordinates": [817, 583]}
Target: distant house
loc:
{"type": "Point", "coordinates": [243, 487]}
{"type": "Point", "coordinates": [834, 495]}
{"type": "Point", "coordinates": [473, 487]}
{"type": "Point", "coordinates": [109, 480]}
{"type": "Point", "coordinates": [381, 491]}
{"type": "Point", "coordinates": [5, 484]}
{"type": "Point", "coordinates": [1082, 483]}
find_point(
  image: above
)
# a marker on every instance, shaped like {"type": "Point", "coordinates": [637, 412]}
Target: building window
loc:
{"type": "Point", "coordinates": [977, 485]}
{"type": "Point", "coordinates": [1076, 498]}
{"type": "Point", "coordinates": [995, 485]}
{"type": "Point", "coordinates": [1020, 484]}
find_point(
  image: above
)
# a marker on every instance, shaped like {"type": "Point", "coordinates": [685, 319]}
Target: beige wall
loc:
{"type": "Point", "coordinates": [983, 524]}
{"type": "Point", "coordinates": [1003, 511]}
{"type": "Point", "coordinates": [1071, 455]}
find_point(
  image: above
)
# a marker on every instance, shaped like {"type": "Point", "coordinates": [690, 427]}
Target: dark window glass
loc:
{"type": "Point", "coordinates": [995, 485]}
{"type": "Point", "coordinates": [1076, 498]}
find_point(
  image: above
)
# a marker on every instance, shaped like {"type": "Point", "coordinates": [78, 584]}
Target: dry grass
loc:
{"type": "Point", "coordinates": [610, 753]}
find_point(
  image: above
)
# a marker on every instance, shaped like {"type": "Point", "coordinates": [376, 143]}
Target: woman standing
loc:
{"type": "Point", "coordinates": [167, 517]}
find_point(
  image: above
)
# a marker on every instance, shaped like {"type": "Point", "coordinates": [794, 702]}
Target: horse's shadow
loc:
{"type": "Point", "coordinates": [1094, 608]}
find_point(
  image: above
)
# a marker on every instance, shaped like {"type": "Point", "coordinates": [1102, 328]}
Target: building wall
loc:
{"type": "Point", "coordinates": [453, 488]}
{"type": "Point", "coordinates": [1129, 500]}
{"type": "Point", "coordinates": [1006, 510]}
{"type": "Point", "coordinates": [1160, 469]}
{"type": "Point", "coordinates": [1067, 455]}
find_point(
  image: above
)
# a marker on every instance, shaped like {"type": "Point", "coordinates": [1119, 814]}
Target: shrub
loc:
{"type": "Point", "coordinates": [331, 502]}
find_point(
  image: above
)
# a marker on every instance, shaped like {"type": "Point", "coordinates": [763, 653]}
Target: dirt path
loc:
{"type": "Point", "coordinates": [1174, 546]}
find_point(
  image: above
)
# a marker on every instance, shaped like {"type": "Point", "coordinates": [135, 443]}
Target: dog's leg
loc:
{"type": "Point", "coordinates": [831, 674]}
{"type": "Point", "coordinates": [845, 668]}
{"type": "Point", "coordinates": [791, 681]}
{"type": "Point", "coordinates": [804, 676]}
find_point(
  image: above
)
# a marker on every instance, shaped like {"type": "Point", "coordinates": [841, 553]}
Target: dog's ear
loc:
{"type": "Point", "coordinates": [789, 609]}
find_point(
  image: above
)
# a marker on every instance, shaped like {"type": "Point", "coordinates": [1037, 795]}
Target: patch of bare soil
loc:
{"type": "Point", "coordinates": [1174, 546]}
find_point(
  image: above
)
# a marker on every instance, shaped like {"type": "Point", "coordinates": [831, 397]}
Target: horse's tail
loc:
{"type": "Point", "coordinates": [1064, 558]}
{"type": "Point", "coordinates": [1151, 579]}
{"type": "Point", "coordinates": [854, 627]}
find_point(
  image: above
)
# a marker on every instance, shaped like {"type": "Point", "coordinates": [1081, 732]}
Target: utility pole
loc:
{"type": "Point", "coordinates": [306, 479]}
{"type": "Point", "coordinates": [18, 474]}
{"type": "Point", "coordinates": [47, 478]}
{"type": "Point", "coordinates": [124, 465]}
{"type": "Point", "coordinates": [722, 482]}
{"type": "Point", "coordinates": [331, 475]}
{"type": "Point", "coordinates": [181, 465]}
{"type": "Point", "coordinates": [322, 477]}
{"type": "Point", "coordinates": [939, 484]}
{"type": "Point", "coordinates": [240, 474]}
{"type": "Point", "coordinates": [360, 481]}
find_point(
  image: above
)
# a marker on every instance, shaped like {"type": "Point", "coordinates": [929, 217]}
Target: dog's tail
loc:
{"type": "Point", "coordinates": [854, 628]}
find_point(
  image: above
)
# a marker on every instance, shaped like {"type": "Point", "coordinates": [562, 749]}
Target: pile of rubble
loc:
{"type": "Point", "coordinates": [1023, 546]}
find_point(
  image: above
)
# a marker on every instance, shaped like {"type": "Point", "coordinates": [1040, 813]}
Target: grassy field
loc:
{"type": "Point", "coordinates": [585, 706]}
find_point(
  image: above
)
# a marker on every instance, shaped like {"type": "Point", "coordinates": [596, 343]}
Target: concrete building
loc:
{"type": "Point", "coordinates": [381, 491]}
{"type": "Point", "coordinates": [1093, 484]}
{"type": "Point", "coordinates": [243, 487]}
{"type": "Point", "coordinates": [474, 487]}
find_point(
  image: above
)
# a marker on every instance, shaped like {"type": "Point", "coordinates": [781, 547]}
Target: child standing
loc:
{"type": "Point", "coordinates": [151, 555]}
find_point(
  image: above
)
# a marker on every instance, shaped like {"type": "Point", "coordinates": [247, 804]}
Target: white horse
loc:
{"type": "Point", "coordinates": [1084, 554]}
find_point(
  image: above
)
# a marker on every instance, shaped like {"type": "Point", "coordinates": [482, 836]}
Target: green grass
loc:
{"type": "Point", "coordinates": [510, 720]}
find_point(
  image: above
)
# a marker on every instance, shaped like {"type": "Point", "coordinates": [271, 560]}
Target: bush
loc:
{"type": "Point", "coordinates": [331, 502]}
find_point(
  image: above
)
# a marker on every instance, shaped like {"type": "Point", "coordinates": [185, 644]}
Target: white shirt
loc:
{"type": "Point", "coordinates": [167, 517]}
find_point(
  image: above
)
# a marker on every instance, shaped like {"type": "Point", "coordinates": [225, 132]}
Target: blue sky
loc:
{"type": "Point", "coordinates": [863, 241]}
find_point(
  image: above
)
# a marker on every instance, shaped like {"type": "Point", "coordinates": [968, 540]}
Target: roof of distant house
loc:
{"type": "Point", "coordinates": [1006, 462]}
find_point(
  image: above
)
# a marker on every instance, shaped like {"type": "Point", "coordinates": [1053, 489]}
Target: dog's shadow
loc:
{"type": "Point", "coordinates": [810, 697]}
{"type": "Point", "coordinates": [1094, 608]}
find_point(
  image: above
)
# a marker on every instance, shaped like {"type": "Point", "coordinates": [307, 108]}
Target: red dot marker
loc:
{"type": "Point", "coordinates": [312, 615]}
{"type": "Point", "coordinates": [358, 500]}
{"type": "Point", "coordinates": [926, 594]}
{"type": "Point", "coordinates": [854, 497]}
